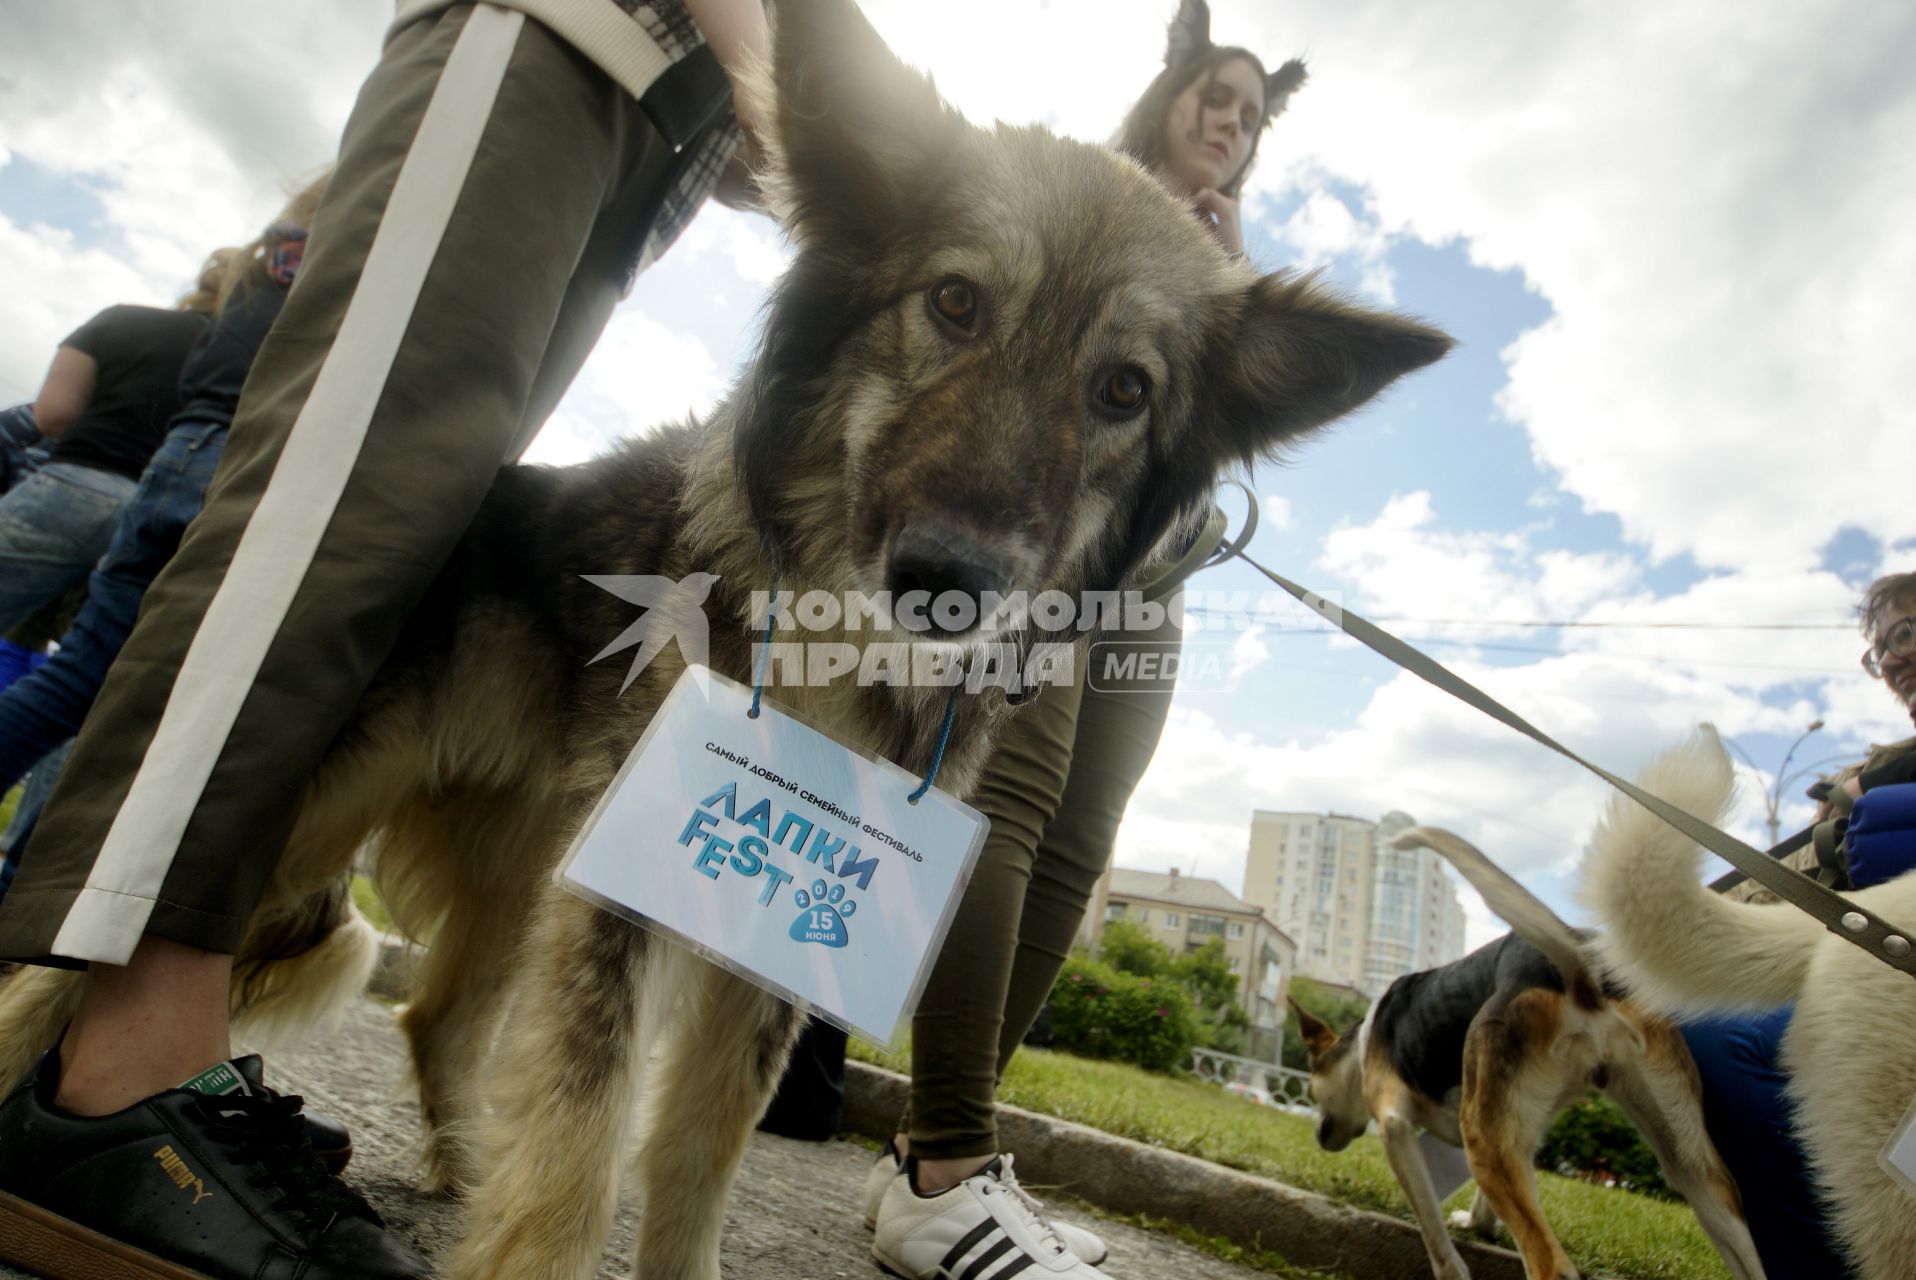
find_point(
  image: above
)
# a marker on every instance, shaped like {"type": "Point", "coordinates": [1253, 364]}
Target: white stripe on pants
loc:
{"type": "Point", "coordinates": [110, 913]}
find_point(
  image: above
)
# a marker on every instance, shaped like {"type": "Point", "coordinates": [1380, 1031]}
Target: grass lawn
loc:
{"type": "Point", "coordinates": [366, 898]}
{"type": "Point", "coordinates": [1613, 1231]}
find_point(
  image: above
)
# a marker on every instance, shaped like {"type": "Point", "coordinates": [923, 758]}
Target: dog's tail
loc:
{"type": "Point", "coordinates": [1521, 909]}
{"type": "Point", "coordinates": [301, 968]}
{"type": "Point", "coordinates": [1680, 947]}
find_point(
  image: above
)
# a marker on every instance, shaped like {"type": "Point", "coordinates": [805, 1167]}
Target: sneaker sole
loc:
{"type": "Point", "coordinates": [50, 1246]}
{"type": "Point", "coordinates": [891, 1267]}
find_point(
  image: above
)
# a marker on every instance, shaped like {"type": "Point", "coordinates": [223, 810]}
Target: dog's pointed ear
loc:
{"type": "Point", "coordinates": [1296, 356]}
{"type": "Point", "coordinates": [854, 131]}
{"type": "Point", "coordinates": [1319, 1039]}
{"type": "Point", "coordinates": [1280, 84]}
{"type": "Point", "coordinates": [1190, 33]}
{"type": "Point", "coordinates": [1284, 358]}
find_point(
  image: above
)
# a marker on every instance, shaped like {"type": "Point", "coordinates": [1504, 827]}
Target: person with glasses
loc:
{"type": "Point", "coordinates": [1746, 1103]}
{"type": "Point", "coordinates": [1888, 615]}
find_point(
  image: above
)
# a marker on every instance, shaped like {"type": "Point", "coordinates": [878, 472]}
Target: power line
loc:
{"type": "Point", "coordinates": [1675, 626]}
{"type": "Point", "coordinates": [1565, 653]}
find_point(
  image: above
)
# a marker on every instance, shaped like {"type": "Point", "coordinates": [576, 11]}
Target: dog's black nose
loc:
{"type": "Point", "coordinates": [936, 558]}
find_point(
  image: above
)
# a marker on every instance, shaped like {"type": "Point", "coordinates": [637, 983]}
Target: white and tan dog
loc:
{"type": "Point", "coordinates": [1850, 1051]}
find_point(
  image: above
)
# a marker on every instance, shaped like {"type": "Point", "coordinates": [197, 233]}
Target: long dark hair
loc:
{"type": "Point", "coordinates": [1141, 136]}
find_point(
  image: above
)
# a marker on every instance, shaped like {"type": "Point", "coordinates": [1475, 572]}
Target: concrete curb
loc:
{"type": "Point", "coordinates": [1124, 1176]}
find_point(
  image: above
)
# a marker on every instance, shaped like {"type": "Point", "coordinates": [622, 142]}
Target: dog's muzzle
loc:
{"type": "Point", "coordinates": [942, 561]}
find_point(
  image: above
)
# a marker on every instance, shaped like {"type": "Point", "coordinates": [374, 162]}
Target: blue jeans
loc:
{"type": "Point", "coordinates": [22, 447]}
{"type": "Point", "coordinates": [1748, 1116]}
{"type": "Point", "coordinates": [53, 526]}
{"type": "Point", "coordinates": [44, 709]}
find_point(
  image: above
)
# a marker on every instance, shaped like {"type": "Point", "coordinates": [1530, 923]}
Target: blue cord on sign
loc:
{"type": "Point", "coordinates": [764, 650]}
{"type": "Point", "coordinates": [938, 752]}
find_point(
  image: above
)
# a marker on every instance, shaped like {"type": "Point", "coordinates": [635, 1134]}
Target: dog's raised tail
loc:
{"type": "Point", "coordinates": [1680, 947]}
{"type": "Point", "coordinates": [1519, 908]}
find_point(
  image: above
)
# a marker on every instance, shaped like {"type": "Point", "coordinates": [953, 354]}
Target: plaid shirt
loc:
{"type": "Point", "coordinates": [701, 160]}
{"type": "Point", "coordinates": [689, 103]}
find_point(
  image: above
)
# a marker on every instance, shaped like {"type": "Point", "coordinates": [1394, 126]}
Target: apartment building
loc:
{"type": "Point", "coordinates": [1185, 912]}
{"type": "Point", "coordinates": [1361, 912]}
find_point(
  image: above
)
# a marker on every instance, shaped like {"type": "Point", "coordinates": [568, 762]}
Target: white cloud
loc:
{"type": "Point", "coordinates": [1714, 200]}
{"type": "Point", "coordinates": [1322, 231]}
{"type": "Point", "coordinates": [641, 374]}
{"type": "Point", "coordinates": [1248, 652]}
{"type": "Point", "coordinates": [1400, 563]}
{"type": "Point", "coordinates": [752, 246]}
{"type": "Point", "coordinates": [1277, 511]}
{"type": "Point", "coordinates": [1784, 632]}
{"type": "Point", "coordinates": [180, 128]}
{"type": "Point", "coordinates": [1417, 749]}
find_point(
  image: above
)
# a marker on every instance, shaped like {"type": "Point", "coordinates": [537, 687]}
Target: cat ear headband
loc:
{"type": "Point", "coordinates": [1190, 37]}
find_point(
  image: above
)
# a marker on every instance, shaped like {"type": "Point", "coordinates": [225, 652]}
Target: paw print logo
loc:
{"type": "Point", "coordinates": [822, 915]}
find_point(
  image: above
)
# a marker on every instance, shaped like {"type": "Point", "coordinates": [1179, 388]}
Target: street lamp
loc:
{"type": "Point", "coordinates": [1773, 798]}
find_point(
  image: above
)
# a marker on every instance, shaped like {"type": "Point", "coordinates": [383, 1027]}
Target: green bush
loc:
{"type": "Point", "coordinates": [1099, 1011]}
{"type": "Point", "coordinates": [1204, 974]}
{"type": "Point", "coordinates": [1128, 947]}
{"type": "Point", "coordinates": [1592, 1140]}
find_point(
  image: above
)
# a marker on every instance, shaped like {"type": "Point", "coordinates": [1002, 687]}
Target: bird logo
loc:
{"type": "Point", "coordinates": [674, 609]}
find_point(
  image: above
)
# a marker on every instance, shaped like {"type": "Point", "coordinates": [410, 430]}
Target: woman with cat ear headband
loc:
{"type": "Point", "coordinates": [1197, 125]}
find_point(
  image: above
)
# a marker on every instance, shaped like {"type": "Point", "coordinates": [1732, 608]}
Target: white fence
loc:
{"type": "Point", "coordinates": [1283, 1084]}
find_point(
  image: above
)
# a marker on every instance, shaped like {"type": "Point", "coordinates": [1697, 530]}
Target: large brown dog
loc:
{"type": "Point", "coordinates": [1000, 361]}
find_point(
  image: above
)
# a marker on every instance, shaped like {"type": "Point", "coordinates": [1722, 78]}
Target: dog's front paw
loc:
{"type": "Point", "coordinates": [446, 1167]}
{"type": "Point", "coordinates": [1470, 1223]}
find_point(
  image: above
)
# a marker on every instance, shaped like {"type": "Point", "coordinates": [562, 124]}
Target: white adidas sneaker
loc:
{"type": "Point", "coordinates": [1088, 1245]}
{"type": "Point", "coordinates": [880, 1175]}
{"type": "Point", "coordinates": [984, 1228]}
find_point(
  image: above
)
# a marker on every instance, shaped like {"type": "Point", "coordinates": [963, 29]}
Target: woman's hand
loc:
{"type": "Point", "coordinates": [1853, 785]}
{"type": "Point", "coordinates": [1218, 212]}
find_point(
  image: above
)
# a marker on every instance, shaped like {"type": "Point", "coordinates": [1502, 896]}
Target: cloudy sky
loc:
{"type": "Point", "coordinates": [1677, 243]}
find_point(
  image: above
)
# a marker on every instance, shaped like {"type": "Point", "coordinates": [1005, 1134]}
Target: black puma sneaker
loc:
{"type": "Point", "coordinates": [190, 1184]}
{"type": "Point", "coordinates": [332, 1143]}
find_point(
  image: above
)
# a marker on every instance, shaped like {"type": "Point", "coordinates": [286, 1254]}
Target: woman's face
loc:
{"type": "Point", "coordinates": [1211, 125]}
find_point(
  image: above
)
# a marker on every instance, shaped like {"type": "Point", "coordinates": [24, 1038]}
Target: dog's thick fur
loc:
{"type": "Point", "coordinates": [1850, 1051]}
{"type": "Point", "coordinates": [865, 423]}
{"type": "Point", "coordinates": [1483, 1053]}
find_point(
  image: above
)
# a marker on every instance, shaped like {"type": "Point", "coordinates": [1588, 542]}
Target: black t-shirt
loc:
{"type": "Point", "coordinates": [216, 367]}
{"type": "Point", "coordinates": [139, 351]}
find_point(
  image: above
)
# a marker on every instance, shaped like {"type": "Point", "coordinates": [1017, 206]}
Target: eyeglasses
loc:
{"type": "Point", "coordinates": [1899, 642]}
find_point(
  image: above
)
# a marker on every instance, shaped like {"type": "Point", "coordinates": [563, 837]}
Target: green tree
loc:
{"type": "Point", "coordinates": [1207, 972]}
{"type": "Point", "coordinates": [1129, 947]}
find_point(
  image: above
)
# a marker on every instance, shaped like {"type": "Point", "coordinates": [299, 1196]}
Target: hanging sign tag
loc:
{"type": "Point", "coordinates": [1899, 1157]}
{"type": "Point", "coordinates": [772, 848]}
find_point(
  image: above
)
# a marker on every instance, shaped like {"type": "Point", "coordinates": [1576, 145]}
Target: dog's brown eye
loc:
{"type": "Point", "coordinates": [956, 303]}
{"type": "Point", "coordinates": [1124, 391]}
